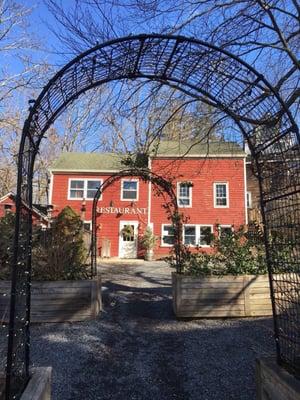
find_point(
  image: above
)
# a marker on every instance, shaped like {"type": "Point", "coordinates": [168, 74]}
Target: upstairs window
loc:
{"type": "Point", "coordinates": [129, 190]}
{"type": "Point", "coordinates": [92, 187]}
{"type": "Point", "coordinates": [221, 195]}
{"type": "Point", "coordinates": [83, 188]}
{"type": "Point", "coordinates": [76, 189]}
{"type": "Point", "coordinates": [184, 194]}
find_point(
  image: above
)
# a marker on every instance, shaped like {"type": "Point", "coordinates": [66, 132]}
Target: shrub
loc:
{"type": "Point", "coordinates": [58, 253]}
{"type": "Point", "coordinates": [233, 254]}
{"type": "Point", "coordinates": [148, 240]}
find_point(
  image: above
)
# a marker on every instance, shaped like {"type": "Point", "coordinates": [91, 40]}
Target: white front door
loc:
{"type": "Point", "coordinates": [128, 239]}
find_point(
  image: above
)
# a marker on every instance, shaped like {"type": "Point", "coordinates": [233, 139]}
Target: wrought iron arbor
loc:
{"type": "Point", "coordinates": [207, 73]}
{"type": "Point", "coordinates": [163, 186]}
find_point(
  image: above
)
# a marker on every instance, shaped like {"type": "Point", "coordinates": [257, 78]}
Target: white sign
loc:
{"type": "Point", "coordinates": [122, 210]}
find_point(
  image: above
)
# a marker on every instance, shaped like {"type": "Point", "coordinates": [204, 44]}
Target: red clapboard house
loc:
{"type": "Point", "coordinates": [39, 213]}
{"type": "Point", "coordinates": [211, 192]}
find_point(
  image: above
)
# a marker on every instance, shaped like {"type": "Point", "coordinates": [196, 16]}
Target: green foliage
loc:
{"type": "Point", "coordinates": [148, 240]}
{"type": "Point", "coordinates": [236, 253]}
{"type": "Point", "coordinates": [57, 254]}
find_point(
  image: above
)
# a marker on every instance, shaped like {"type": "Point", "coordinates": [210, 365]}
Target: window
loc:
{"type": "Point", "coordinates": [184, 194]}
{"type": "Point", "coordinates": [167, 235]}
{"type": "Point", "coordinates": [221, 194]}
{"type": "Point", "coordinates": [83, 188]}
{"type": "Point", "coordinates": [76, 189]}
{"type": "Point", "coordinates": [190, 235]}
{"type": "Point", "coordinates": [225, 230]}
{"type": "Point", "coordinates": [92, 187]}
{"type": "Point", "coordinates": [200, 235]}
{"type": "Point", "coordinates": [129, 190]}
{"type": "Point", "coordinates": [87, 226]}
{"type": "Point", "coordinates": [249, 200]}
{"type": "Point", "coordinates": [206, 235]}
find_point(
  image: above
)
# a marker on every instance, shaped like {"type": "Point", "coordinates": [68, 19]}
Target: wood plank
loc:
{"type": "Point", "coordinates": [211, 314]}
{"type": "Point", "coordinates": [212, 280]}
{"type": "Point", "coordinates": [210, 294]}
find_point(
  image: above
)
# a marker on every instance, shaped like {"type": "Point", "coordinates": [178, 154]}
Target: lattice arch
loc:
{"type": "Point", "coordinates": [207, 73]}
{"type": "Point", "coordinates": [163, 186]}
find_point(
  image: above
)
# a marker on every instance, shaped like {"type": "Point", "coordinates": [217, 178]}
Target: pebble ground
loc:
{"type": "Point", "coordinates": [137, 350]}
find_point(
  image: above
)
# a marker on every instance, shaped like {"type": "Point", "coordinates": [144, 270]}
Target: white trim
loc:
{"type": "Point", "coordinates": [162, 244]}
{"type": "Point", "coordinates": [85, 188]}
{"type": "Point", "coordinates": [88, 222]}
{"type": "Point", "coordinates": [227, 193]}
{"type": "Point", "coordinates": [198, 234]}
{"type": "Point", "coordinates": [137, 189]}
{"type": "Point", "coordinates": [190, 192]}
{"type": "Point", "coordinates": [245, 193]}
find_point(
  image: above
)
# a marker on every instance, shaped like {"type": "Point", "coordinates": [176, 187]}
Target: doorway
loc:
{"type": "Point", "coordinates": [128, 239]}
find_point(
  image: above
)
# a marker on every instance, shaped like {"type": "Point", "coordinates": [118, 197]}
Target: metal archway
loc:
{"type": "Point", "coordinates": [207, 73]}
{"type": "Point", "coordinates": [164, 185]}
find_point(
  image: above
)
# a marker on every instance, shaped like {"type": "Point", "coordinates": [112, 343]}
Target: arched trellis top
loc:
{"type": "Point", "coordinates": [204, 72]}
{"type": "Point", "coordinates": [199, 68]}
{"type": "Point", "coordinates": [164, 186]}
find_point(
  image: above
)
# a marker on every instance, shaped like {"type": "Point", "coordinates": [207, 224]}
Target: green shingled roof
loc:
{"type": "Point", "coordinates": [194, 148]}
{"type": "Point", "coordinates": [87, 162]}
{"type": "Point", "coordinates": [112, 161]}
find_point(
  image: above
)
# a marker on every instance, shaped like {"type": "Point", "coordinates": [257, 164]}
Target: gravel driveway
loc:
{"type": "Point", "coordinates": [137, 350]}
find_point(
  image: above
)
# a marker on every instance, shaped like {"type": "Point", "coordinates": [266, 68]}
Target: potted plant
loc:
{"type": "Point", "coordinates": [148, 242]}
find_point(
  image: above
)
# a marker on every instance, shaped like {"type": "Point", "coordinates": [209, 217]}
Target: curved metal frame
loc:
{"type": "Point", "coordinates": [147, 176]}
{"type": "Point", "coordinates": [203, 71]}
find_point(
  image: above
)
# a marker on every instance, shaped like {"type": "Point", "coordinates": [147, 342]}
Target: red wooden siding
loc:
{"type": "Point", "coordinates": [202, 172]}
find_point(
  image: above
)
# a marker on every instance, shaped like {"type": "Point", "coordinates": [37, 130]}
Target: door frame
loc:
{"type": "Point", "coordinates": [136, 227]}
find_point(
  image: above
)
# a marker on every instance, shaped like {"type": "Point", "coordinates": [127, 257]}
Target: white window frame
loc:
{"type": "Point", "coordinates": [162, 235]}
{"type": "Point", "coordinates": [198, 235]}
{"type": "Point", "coordinates": [190, 192]}
{"type": "Point", "coordinates": [211, 231]}
{"type": "Point", "coordinates": [223, 226]}
{"type": "Point", "coordinates": [215, 193]}
{"type": "Point", "coordinates": [88, 222]}
{"type": "Point", "coordinates": [92, 179]}
{"type": "Point", "coordinates": [137, 189]}
{"type": "Point", "coordinates": [249, 199]}
{"type": "Point", "coordinates": [85, 181]}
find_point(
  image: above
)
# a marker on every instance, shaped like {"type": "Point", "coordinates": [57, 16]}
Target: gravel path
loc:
{"type": "Point", "coordinates": [137, 350]}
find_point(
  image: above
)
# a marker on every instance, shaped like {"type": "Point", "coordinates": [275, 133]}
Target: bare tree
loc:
{"type": "Point", "coordinates": [264, 33]}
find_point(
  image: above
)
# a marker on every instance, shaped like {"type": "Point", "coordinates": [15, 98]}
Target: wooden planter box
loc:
{"type": "Point", "coordinates": [38, 387]}
{"type": "Point", "coordinates": [274, 382]}
{"type": "Point", "coordinates": [61, 301]}
{"type": "Point", "coordinates": [227, 296]}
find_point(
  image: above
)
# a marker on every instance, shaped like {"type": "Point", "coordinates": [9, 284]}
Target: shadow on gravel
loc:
{"type": "Point", "coordinates": [118, 358]}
